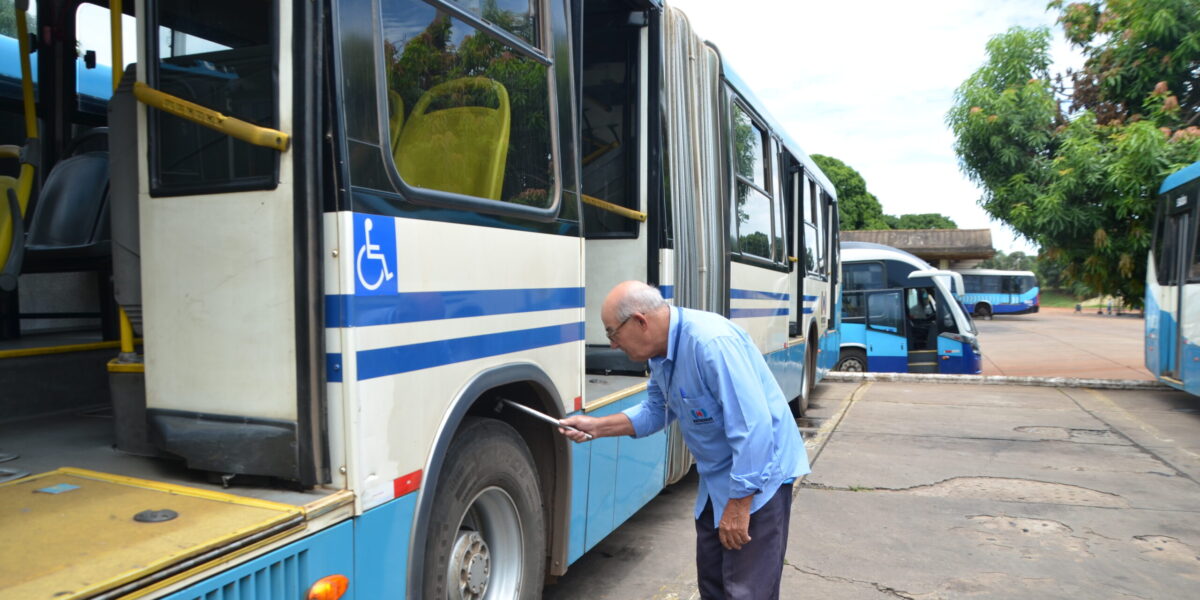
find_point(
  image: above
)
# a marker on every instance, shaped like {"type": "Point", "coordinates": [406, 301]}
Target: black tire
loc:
{"type": "Point", "coordinates": [983, 311]}
{"type": "Point", "coordinates": [487, 519]}
{"type": "Point", "coordinates": [810, 377]}
{"type": "Point", "coordinates": [852, 360]}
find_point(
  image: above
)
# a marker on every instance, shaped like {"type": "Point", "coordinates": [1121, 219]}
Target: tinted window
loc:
{"type": "Point", "coordinates": [748, 149]}
{"type": "Point", "coordinates": [853, 310]}
{"type": "Point", "coordinates": [752, 204]}
{"type": "Point", "coordinates": [862, 276]}
{"type": "Point", "coordinates": [468, 113]}
{"type": "Point", "coordinates": [514, 16]}
{"type": "Point", "coordinates": [883, 311]}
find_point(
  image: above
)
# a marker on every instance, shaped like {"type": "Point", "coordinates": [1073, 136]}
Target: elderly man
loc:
{"type": "Point", "coordinates": [707, 373]}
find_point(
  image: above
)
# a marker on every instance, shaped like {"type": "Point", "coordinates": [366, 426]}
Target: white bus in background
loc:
{"type": "Point", "coordinates": [405, 213]}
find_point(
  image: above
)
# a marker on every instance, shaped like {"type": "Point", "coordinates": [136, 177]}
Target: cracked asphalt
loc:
{"type": "Point", "coordinates": [927, 491]}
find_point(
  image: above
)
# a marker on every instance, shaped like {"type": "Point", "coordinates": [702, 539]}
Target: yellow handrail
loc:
{"type": "Point", "coordinates": [231, 126]}
{"type": "Point", "coordinates": [115, 11]}
{"type": "Point", "coordinates": [628, 213]}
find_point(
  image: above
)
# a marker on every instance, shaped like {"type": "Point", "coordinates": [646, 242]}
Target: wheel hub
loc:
{"type": "Point", "coordinates": [470, 566]}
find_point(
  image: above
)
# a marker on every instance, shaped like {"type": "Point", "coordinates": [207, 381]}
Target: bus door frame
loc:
{"type": "Point", "coordinates": [1180, 230]}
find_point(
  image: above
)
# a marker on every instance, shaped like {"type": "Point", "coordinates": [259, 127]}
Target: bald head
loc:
{"type": "Point", "coordinates": [637, 319]}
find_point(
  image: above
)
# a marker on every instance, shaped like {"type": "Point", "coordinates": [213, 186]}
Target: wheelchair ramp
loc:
{"type": "Point", "coordinates": [72, 533]}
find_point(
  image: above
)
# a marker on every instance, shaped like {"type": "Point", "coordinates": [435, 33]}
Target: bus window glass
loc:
{"type": "Point", "coordinates": [853, 310]}
{"type": "Point", "coordinates": [883, 311]}
{"type": "Point", "coordinates": [468, 114]}
{"type": "Point", "coordinates": [609, 127]}
{"type": "Point", "coordinates": [991, 285]}
{"type": "Point", "coordinates": [778, 244]}
{"type": "Point", "coordinates": [753, 222]}
{"type": "Point", "coordinates": [224, 64]}
{"type": "Point", "coordinates": [810, 248]}
{"type": "Point", "coordinates": [748, 149]}
{"type": "Point", "coordinates": [514, 16]}
{"type": "Point", "coordinates": [93, 33]}
{"type": "Point", "coordinates": [862, 276]}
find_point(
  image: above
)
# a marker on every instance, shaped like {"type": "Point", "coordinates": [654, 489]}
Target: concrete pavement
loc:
{"type": "Point", "coordinates": [959, 491]}
{"type": "Point", "coordinates": [1058, 342]}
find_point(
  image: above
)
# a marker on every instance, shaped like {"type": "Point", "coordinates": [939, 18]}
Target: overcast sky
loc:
{"type": "Point", "coordinates": [870, 81]}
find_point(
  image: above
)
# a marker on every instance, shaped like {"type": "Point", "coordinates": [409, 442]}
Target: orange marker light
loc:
{"type": "Point", "coordinates": [329, 588]}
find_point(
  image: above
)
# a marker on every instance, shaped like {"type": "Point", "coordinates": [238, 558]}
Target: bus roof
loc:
{"type": "Point", "coordinates": [862, 251]}
{"type": "Point", "coordinates": [994, 272]}
{"type": "Point", "coordinates": [1180, 177]}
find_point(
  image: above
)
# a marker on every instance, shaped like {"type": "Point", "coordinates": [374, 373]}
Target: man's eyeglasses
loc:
{"type": "Point", "coordinates": [613, 334]}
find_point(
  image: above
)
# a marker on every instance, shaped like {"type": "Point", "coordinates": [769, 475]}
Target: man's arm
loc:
{"type": "Point", "coordinates": [610, 425]}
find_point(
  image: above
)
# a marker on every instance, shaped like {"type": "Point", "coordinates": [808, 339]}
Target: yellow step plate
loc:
{"type": "Point", "coordinates": [72, 533]}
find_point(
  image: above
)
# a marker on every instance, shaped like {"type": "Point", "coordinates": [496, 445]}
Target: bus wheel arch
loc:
{"type": "Point", "coordinates": [852, 359]}
{"type": "Point", "coordinates": [983, 310]}
{"type": "Point", "coordinates": [526, 384]}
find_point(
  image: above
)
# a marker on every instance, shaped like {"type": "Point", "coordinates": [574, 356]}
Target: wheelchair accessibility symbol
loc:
{"type": "Point", "coordinates": [376, 244]}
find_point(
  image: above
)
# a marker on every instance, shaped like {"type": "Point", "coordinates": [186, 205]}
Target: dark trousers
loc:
{"type": "Point", "coordinates": [752, 573]}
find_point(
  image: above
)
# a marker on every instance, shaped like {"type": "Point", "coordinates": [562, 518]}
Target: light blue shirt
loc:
{"type": "Point", "coordinates": [731, 412]}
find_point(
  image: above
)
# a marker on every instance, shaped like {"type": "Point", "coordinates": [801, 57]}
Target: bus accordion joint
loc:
{"type": "Point", "coordinates": [231, 126]}
{"type": "Point", "coordinates": [628, 213]}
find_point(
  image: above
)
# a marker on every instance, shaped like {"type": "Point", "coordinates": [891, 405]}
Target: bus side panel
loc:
{"type": "Point", "coordinates": [381, 539]}
{"type": "Point", "coordinates": [1189, 328]}
{"type": "Point", "coordinates": [886, 352]}
{"type": "Point", "coordinates": [622, 474]}
{"type": "Point", "coordinates": [287, 572]}
{"type": "Point", "coordinates": [831, 340]}
{"type": "Point", "coordinates": [957, 357]}
{"type": "Point", "coordinates": [788, 367]}
{"type": "Point", "coordinates": [758, 303]}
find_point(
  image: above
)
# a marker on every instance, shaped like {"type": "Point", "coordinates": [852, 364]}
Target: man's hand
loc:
{"type": "Point", "coordinates": [585, 424]}
{"type": "Point", "coordinates": [734, 528]}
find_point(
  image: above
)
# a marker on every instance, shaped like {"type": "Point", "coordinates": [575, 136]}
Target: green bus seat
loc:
{"type": "Point", "coordinates": [395, 118]}
{"type": "Point", "coordinates": [460, 149]}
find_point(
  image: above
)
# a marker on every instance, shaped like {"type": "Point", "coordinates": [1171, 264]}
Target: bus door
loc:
{"type": "Point", "coordinates": [920, 315]}
{"type": "Point", "coordinates": [887, 343]}
{"type": "Point", "coordinates": [1173, 264]}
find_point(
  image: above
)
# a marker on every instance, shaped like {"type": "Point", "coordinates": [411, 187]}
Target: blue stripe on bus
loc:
{"type": "Point", "coordinates": [735, 294]}
{"type": "Point", "coordinates": [342, 310]}
{"type": "Point", "coordinates": [808, 310]}
{"type": "Point", "coordinates": [808, 298]}
{"type": "Point", "coordinates": [747, 313]}
{"type": "Point", "coordinates": [668, 291]}
{"type": "Point", "coordinates": [414, 357]}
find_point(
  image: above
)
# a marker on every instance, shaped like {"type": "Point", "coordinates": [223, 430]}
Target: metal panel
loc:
{"type": "Point", "coordinates": [285, 573]}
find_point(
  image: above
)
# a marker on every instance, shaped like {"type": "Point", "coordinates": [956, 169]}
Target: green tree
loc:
{"type": "Point", "coordinates": [1080, 188]}
{"type": "Point", "coordinates": [1017, 261]}
{"type": "Point", "coordinates": [857, 208]}
{"type": "Point", "coordinates": [924, 221]}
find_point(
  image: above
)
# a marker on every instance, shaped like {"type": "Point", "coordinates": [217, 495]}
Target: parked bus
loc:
{"type": "Point", "coordinates": [901, 315]}
{"type": "Point", "coordinates": [992, 292]}
{"type": "Point", "coordinates": [293, 264]}
{"type": "Point", "coordinates": [1173, 283]}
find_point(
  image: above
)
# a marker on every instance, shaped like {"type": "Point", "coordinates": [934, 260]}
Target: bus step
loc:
{"type": "Point", "coordinates": [922, 367]}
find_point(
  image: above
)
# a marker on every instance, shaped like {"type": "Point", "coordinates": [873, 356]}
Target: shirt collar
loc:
{"type": "Point", "coordinates": [673, 333]}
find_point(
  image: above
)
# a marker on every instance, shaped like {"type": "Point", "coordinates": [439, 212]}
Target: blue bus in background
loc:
{"type": "Point", "coordinates": [994, 292]}
{"type": "Point", "coordinates": [1173, 284]}
{"type": "Point", "coordinates": [901, 315]}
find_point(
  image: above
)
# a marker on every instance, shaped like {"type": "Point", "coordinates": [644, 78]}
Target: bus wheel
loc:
{"type": "Point", "coordinates": [810, 377]}
{"type": "Point", "coordinates": [486, 534]}
{"type": "Point", "coordinates": [853, 360]}
{"type": "Point", "coordinates": [983, 311]}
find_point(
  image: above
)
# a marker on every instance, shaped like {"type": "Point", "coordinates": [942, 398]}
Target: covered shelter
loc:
{"type": "Point", "coordinates": [943, 248]}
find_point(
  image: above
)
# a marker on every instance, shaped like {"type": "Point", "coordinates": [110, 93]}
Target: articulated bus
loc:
{"type": "Point", "coordinates": [1173, 284]}
{"type": "Point", "coordinates": [901, 315]}
{"type": "Point", "coordinates": [990, 292]}
{"type": "Point", "coordinates": [268, 292]}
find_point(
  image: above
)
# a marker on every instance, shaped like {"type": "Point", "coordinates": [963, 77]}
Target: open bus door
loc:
{"type": "Point", "coordinates": [1174, 258]}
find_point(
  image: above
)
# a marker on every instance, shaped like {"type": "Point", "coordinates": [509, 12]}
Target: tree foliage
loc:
{"type": "Point", "coordinates": [1079, 186]}
{"type": "Point", "coordinates": [8, 19]}
{"type": "Point", "coordinates": [860, 209]}
{"type": "Point", "coordinates": [1017, 261]}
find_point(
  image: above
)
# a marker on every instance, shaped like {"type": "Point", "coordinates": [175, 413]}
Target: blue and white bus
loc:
{"type": "Point", "coordinates": [405, 213]}
{"type": "Point", "coordinates": [1173, 284]}
{"type": "Point", "coordinates": [900, 315]}
{"type": "Point", "coordinates": [990, 292]}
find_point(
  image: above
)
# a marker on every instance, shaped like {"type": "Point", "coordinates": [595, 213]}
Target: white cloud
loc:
{"type": "Point", "coordinates": [869, 82]}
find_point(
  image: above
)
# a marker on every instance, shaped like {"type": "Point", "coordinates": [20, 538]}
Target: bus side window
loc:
{"type": "Point", "coordinates": [853, 310]}
{"type": "Point", "coordinates": [883, 311]}
{"type": "Point", "coordinates": [473, 111]}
